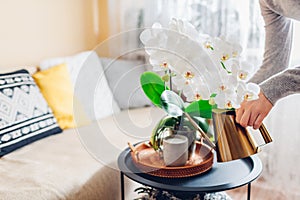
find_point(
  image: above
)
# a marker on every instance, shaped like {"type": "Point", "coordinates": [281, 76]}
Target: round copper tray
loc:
{"type": "Point", "coordinates": [149, 161]}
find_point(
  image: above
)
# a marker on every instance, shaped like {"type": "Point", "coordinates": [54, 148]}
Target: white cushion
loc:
{"type": "Point", "coordinates": [90, 84]}
{"type": "Point", "coordinates": [123, 77]}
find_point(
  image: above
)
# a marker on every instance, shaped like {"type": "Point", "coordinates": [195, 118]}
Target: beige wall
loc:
{"type": "Point", "coordinates": [32, 30]}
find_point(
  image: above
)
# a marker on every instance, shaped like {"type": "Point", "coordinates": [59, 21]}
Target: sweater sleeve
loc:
{"type": "Point", "coordinates": [282, 85]}
{"type": "Point", "coordinates": [279, 34]}
{"type": "Point", "coordinates": [278, 43]}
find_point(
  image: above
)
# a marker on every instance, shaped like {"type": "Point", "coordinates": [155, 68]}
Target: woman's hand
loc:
{"type": "Point", "coordinates": [252, 113]}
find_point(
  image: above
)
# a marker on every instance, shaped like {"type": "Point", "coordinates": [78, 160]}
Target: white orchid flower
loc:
{"type": "Point", "coordinates": [156, 43]}
{"type": "Point", "coordinates": [227, 99]}
{"type": "Point", "coordinates": [229, 49]}
{"type": "Point", "coordinates": [182, 81]}
{"type": "Point", "coordinates": [185, 28]}
{"type": "Point", "coordinates": [202, 65]}
{"type": "Point", "coordinates": [160, 61]}
{"type": "Point", "coordinates": [207, 42]}
{"type": "Point", "coordinates": [149, 34]}
{"type": "Point", "coordinates": [242, 70]}
{"type": "Point", "coordinates": [226, 96]}
{"type": "Point", "coordinates": [236, 45]}
{"type": "Point", "coordinates": [182, 54]}
{"type": "Point", "coordinates": [224, 52]}
{"type": "Point", "coordinates": [196, 91]}
{"type": "Point", "coordinates": [247, 91]}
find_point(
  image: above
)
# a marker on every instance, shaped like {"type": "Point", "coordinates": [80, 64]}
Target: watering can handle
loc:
{"type": "Point", "coordinates": [203, 134]}
{"type": "Point", "coordinates": [265, 134]}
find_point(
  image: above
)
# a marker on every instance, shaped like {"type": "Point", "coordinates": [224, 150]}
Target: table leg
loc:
{"type": "Point", "coordinates": [122, 186]}
{"type": "Point", "coordinates": [249, 191]}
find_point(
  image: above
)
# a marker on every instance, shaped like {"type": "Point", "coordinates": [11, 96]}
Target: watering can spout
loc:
{"type": "Point", "coordinates": [232, 140]}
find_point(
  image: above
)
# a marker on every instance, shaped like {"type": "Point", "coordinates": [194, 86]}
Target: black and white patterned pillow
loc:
{"type": "Point", "coordinates": [24, 113]}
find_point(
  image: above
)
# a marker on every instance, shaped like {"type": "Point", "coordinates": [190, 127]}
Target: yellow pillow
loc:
{"type": "Point", "coordinates": [55, 85]}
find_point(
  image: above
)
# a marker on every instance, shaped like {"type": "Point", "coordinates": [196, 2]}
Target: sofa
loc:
{"type": "Point", "coordinates": [71, 165]}
{"type": "Point", "coordinates": [80, 161]}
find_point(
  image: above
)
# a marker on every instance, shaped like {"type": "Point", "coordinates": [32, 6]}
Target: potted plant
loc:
{"type": "Point", "coordinates": [206, 73]}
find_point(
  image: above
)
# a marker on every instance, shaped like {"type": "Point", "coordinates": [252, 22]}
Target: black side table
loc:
{"type": "Point", "coordinates": [222, 176]}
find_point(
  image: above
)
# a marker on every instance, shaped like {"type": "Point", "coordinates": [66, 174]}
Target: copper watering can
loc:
{"type": "Point", "coordinates": [232, 140]}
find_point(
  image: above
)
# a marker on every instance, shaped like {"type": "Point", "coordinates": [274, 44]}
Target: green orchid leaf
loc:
{"type": "Point", "coordinates": [153, 86]}
{"type": "Point", "coordinates": [157, 136]}
{"type": "Point", "coordinates": [200, 108]}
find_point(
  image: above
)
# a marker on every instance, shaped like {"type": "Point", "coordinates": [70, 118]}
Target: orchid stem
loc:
{"type": "Point", "coordinates": [170, 74]}
{"type": "Point", "coordinates": [165, 82]}
{"type": "Point", "coordinates": [180, 92]}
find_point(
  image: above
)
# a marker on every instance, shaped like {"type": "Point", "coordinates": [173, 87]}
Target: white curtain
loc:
{"type": "Point", "coordinates": [281, 157]}
{"type": "Point", "coordinates": [230, 18]}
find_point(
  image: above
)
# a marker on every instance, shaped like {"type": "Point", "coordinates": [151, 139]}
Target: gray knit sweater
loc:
{"type": "Point", "coordinates": [278, 15]}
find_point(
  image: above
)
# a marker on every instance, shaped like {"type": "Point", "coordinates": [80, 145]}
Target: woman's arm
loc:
{"type": "Point", "coordinates": [252, 113]}
{"type": "Point", "coordinates": [279, 33]}
{"type": "Point", "coordinates": [278, 42]}
{"type": "Point", "coordinates": [282, 85]}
